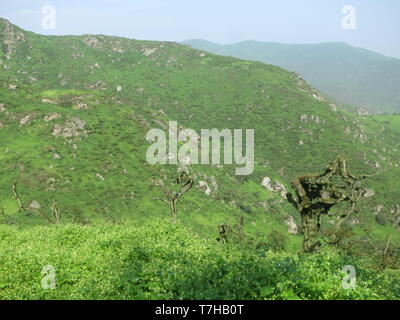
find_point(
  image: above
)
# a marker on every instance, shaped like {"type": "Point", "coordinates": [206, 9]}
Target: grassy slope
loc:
{"type": "Point", "coordinates": [354, 76]}
{"type": "Point", "coordinates": [164, 81]}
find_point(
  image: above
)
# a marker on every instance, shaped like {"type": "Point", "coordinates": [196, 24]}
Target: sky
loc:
{"type": "Point", "coordinates": [371, 24]}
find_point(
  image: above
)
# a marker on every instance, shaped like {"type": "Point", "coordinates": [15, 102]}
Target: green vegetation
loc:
{"type": "Point", "coordinates": [354, 76]}
{"type": "Point", "coordinates": [77, 192]}
{"type": "Point", "coordinates": [165, 261]}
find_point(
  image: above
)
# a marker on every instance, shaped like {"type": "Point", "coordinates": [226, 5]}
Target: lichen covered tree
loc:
{"type": "Point", "coordinates": [315, 195]}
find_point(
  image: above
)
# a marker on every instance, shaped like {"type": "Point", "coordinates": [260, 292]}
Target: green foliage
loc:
{"type": "Point", "coordinates": [277, 240]}
{"type": "Point", "coordinates": [165, 261]}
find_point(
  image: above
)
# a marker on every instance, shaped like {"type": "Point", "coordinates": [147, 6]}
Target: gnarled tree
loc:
{"type": "Point", "coordinates": [315, 195]}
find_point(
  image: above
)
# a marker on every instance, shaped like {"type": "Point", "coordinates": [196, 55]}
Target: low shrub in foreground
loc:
{"type": "Point", "coordinates": [164, 261]}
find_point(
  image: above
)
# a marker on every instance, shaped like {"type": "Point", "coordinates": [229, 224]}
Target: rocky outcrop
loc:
{"type": "Point", "coordinates": [276, 187]}
{"type": "Point", "coordinates": [74, 127]}
{"type": "Point", "coordinates": [12, 37]}
{"type": "Point", "coordinates": [293, 228]}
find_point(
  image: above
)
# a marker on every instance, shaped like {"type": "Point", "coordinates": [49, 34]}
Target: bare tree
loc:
{"type": "Point", "coordinates": [176, 189]}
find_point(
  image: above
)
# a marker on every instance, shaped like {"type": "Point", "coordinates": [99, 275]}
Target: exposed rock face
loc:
{"type": "Point", "coordinates": [12, 37]}
{"type": "Point", "coordinates": [149, 51]}
{"type": "Point", "coordinates": [292, 225]}
{"type": "Point", "coordinates": [74, 127]}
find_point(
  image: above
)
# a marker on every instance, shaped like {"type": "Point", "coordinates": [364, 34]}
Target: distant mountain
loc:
{"type": "Point", "coordinates": [354, 76]}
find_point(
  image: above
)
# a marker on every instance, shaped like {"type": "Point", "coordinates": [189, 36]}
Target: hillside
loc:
{"type": "Point", "coordinates": [353, 76]}
{"type": "Point", "coordinates": [75, 111]}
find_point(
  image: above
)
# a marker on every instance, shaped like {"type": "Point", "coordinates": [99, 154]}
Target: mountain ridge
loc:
{"type": "Point", "coordinates": [351, 75]}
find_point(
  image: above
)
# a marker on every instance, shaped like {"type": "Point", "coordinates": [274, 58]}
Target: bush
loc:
{"type": "Point", "coordinates": [165, 261]}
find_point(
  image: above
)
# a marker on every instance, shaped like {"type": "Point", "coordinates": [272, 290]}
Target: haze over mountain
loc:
{"type": "Point", "coordinates": [354, 76]}
{"type": "Point", "coordinates": [74, 114]}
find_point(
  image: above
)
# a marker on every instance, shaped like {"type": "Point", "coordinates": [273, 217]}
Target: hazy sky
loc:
{"type": "Point", "coordinates": [222, 21]}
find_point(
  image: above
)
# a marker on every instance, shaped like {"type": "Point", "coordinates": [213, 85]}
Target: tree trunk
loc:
{"type": "Point", "coordinates": [311, 224]}
{"type": "Point", "coordinates": [174, 211]}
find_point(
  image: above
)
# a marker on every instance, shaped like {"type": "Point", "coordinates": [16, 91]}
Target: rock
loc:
{"type": "Point", "coordinates": [11, 37]}
{"type": "Point", "coordinates": [56, 156]}
{"type": "Point", "coordinates": [51, 116]}
{"type": "Point", "coordinates": [368, 193]}
{"type": "Point", "coordinates": [354, 221]}
{"type": "Point", "coordinates": [304, 118]}
{"type": "Point", "coordinates": [80, 106]}
{"type": "Point", "coordinates": [378, 209]}
{"type": "Point", "coordinates": [204, 187]}
{"type": "Point", "coordinates": [45, 100]}
{"type": "Point", "coordinates": [267, 183]}
{"type": "Point", "coordinates": [292, 225]}
{"type": "Point", "coordinates": [318, 97]}
{"type": "Point", "coordinates": [74, 127]}
{"type": "Point", "coordinates": [78, 55]}
{"type": "Point", "coordinates": [91, 41]}
{"type": "Point", "coordinates": [34, 205]}
{"type": "Point", "coordinates": [12, 86]}
{"type": "Point", "coordinates": [149, 51]}
{"type": "Point", "coordinates": [26, 119]}
{"type": "Point", "coordinates": [277, 187]}
{"type": "Point", "coordinates": [51, 180]}
{"type": "Point", "coordinates": [333, 107]}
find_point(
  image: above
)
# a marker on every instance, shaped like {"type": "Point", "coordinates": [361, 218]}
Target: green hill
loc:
{"type": "Point", "coordinates": [75, 111]}
{"type": "Point", "coordinates": [354, 76]}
